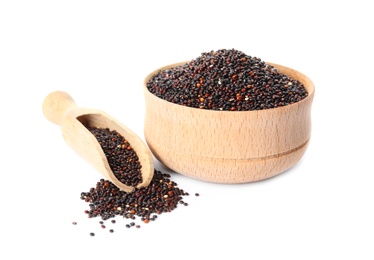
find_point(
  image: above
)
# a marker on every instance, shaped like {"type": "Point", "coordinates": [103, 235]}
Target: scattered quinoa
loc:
{"type": "Point", "coordinates": [107, 201]}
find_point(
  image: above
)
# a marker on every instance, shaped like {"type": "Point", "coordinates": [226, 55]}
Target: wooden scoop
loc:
{"type": "Point", "coordinates": [60, 108]}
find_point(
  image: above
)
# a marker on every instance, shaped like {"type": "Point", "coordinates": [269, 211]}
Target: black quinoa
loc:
{"type": "Point", "coordinates": [107, 201]}
{"type": "Point", "coordinates": [122, 158]}
{"type": "Point", "coordinates": [226, 80]}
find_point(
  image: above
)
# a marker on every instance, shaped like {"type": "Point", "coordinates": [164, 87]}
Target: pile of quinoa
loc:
{"type": "Point", "coordinates": [107, 201]}
{"type": "Point", "coordinates": [227, 80]}
{"type": "Point", "coordinates": [122, 158]}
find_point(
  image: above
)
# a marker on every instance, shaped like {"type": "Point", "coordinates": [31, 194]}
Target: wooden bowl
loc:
{"type": "Point", "coordinates": [228, 146]}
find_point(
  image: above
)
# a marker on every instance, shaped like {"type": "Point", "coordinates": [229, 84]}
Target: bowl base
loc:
{"type": "Point", "coordinates": [230, 171]}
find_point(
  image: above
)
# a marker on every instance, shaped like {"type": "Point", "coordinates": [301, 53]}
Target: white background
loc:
{"type": "Point", "coordinates": [100, 52]}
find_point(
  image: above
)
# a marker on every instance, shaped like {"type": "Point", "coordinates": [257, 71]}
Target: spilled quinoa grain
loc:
{"type": "Point", "coordinates": [107, 201]}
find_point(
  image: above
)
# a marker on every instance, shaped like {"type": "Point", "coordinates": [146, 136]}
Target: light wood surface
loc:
{"type": "Point", "coordinates": [60, 108]}
{"type": "Point", "coordinates": [228, 146]}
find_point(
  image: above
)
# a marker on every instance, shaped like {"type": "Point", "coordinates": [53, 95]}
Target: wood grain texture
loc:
{"type": "Point", "coordinates": [228, 146]}
{"type": "Point", "coordinates": [60, 108]}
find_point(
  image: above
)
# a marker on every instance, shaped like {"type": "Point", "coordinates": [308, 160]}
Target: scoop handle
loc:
{"type": "Point", "coordinates": [57, 105]}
